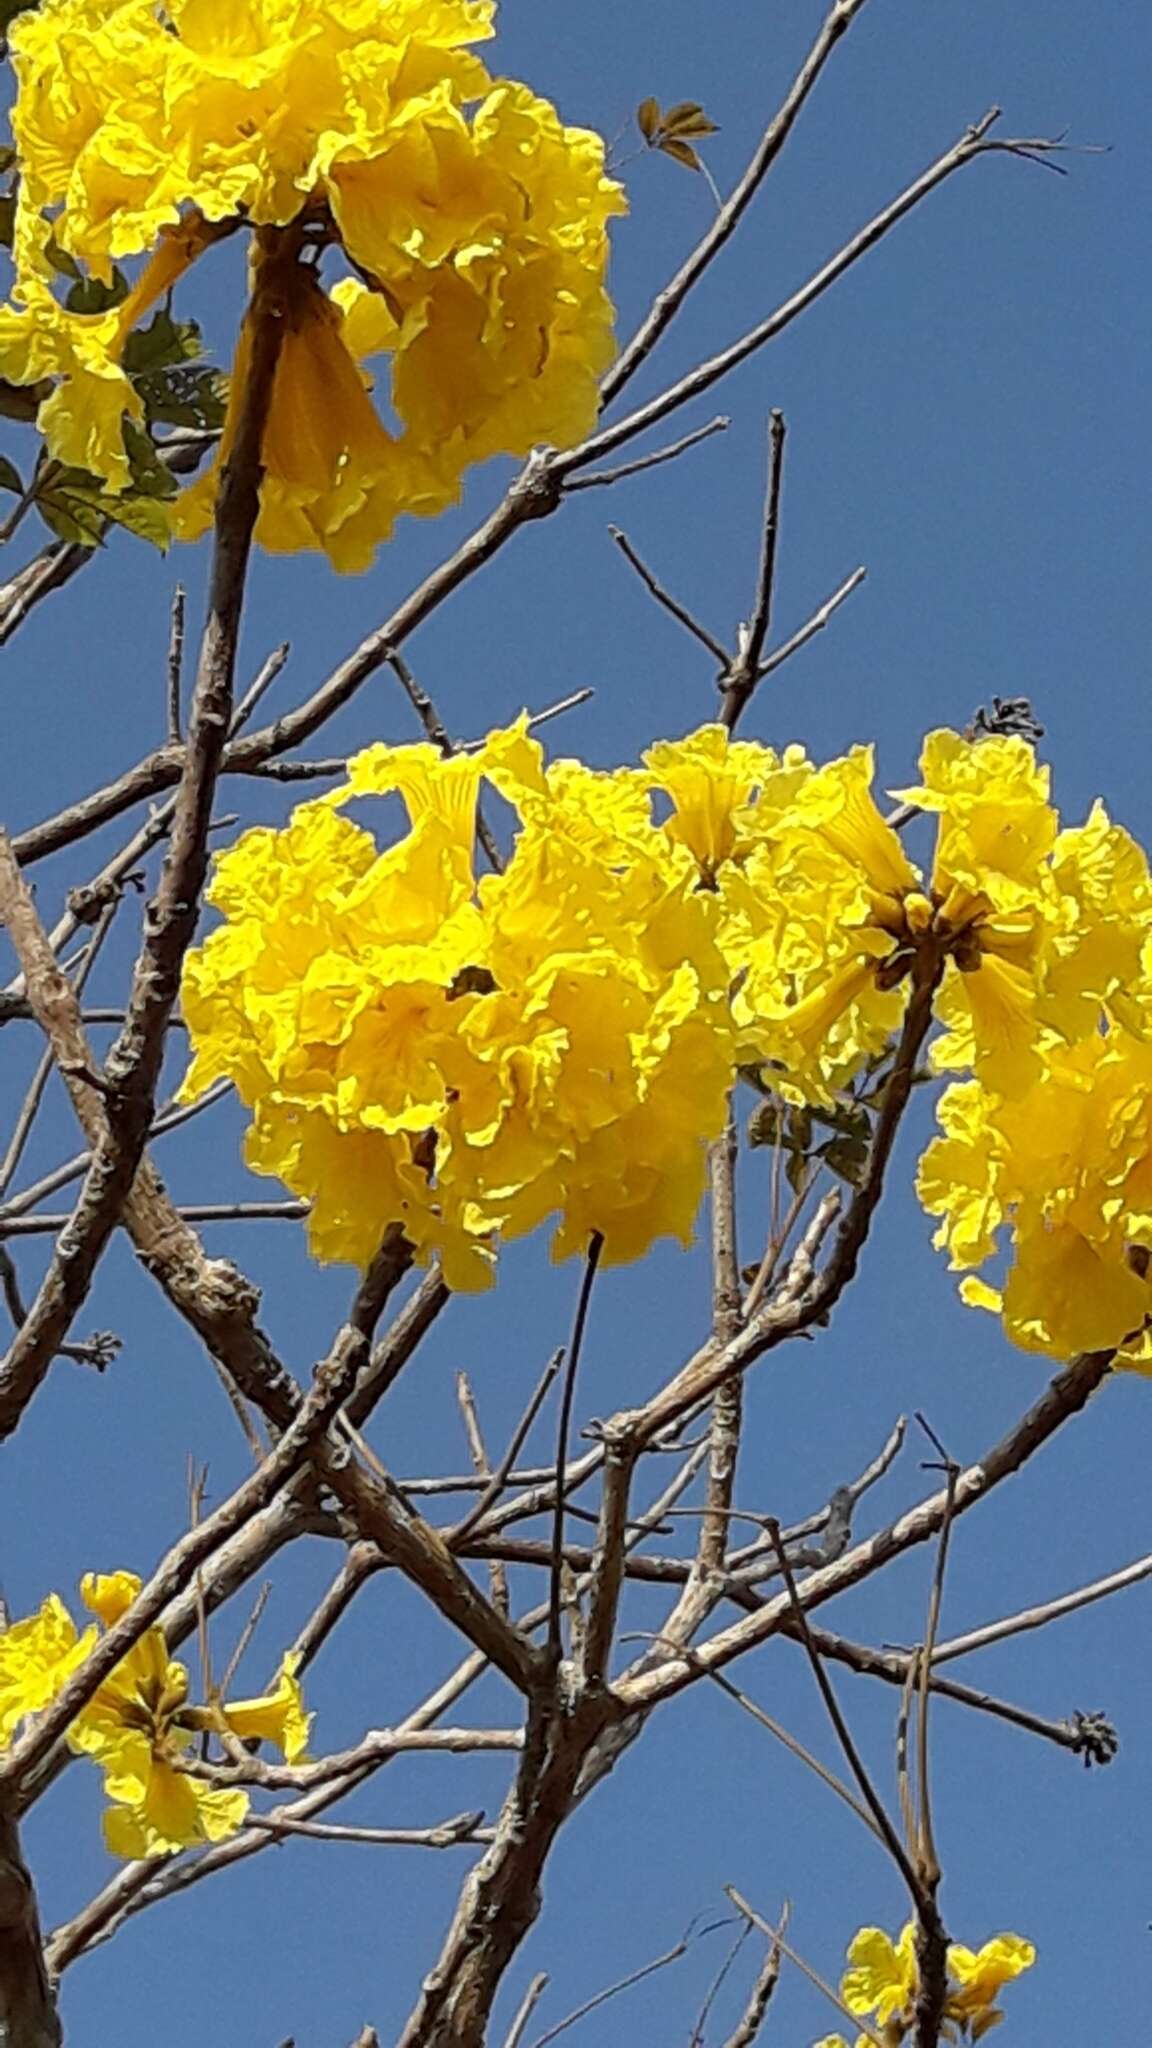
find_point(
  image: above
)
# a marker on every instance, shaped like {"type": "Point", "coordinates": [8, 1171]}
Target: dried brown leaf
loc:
{"type": "Point", "coordinates": [688, 118]}
{"type": "Point", "coordinates": [682, 152]}
{"type": "Point", "coordinates": [648, 118]}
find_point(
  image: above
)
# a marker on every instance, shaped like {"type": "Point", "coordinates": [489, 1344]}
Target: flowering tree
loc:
{"type": "Point", "coordinates": [548, 997]}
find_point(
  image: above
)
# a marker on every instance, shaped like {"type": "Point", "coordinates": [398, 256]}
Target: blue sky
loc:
{"type": "Point", "coordinates": [967, 416]}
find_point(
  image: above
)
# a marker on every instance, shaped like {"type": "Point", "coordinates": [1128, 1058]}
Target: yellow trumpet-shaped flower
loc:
{"type": "Point", "coordinates": [334, 477]}
{"type": "Point", "coordinates": [476, 223]}
{"type": "Point", "coordinates": [1066, 1171]}
{"type": "Point", "coordinates": [979, 1977]}
{"type": "Point", "coordinates": [469, 1057]}
{"type": "Point", "coordinates": [139, 1725]}
{"type": "Point", "coordinates": [82, 417]}
{"type": "Point", "coordinates": [36, 1657]}
{"type": "Point", "coordinates": [883, 1980]}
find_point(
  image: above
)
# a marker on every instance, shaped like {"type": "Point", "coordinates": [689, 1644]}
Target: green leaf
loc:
{"type": "Point", "coordinates": [7, 218]}
{"type": "Point", "coordinates": [72, 517]}
{"type": "Point", "coordinates": [187, 395]}
{"type": "Point", "coordinates": [10, 478]}
{"type": "Point", "coordinates": [144, 516]}
{"type": "Point", "coordinates": [847, 1158]}
{"type": "Point", "coordinates": [75, 506]}
{"type": "Point", "coordinates": [22, 401]}
{"type": "Point", "coordinates": [163, 342]}
{"type": "Point", "coordinates": [151, 476]}
{"type": "Point", "coordinates": [92, 295]}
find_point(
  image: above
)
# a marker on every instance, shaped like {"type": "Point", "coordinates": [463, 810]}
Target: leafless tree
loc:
{"type": "Point", "coordinates": [644, 1498]}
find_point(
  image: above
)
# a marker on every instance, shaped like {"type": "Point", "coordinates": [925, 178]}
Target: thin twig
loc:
{"type": "Point", "coordinates": [776, 1937]}
{"type": "Point", "coordinates": [176, 665]}
{"type": "Point", "coordinates": [763, 1990]}
{"type": "Point", "coordinates": [1039, 1617]}
{"type": "Point", "coordinates": [717, 1985]}
{"type": "Point", "coordinates": [362, 1563]}
{"type": "Point", "coordinates": [494, 1483]}
{"type": "Point", "coordinates": [596, 478]}
{"type": "Point", "coordinates": [531, 1999]}
{"type": "Point", "coordinates": [790, 1742]}
{"type": "Point", "coordinates": [462, 1831]}
{"type": "Point", "coordinates": [872, 1800]}
{"type": "Point", "coordinates": [497, 1576]}
{"type": "Point", "coordinates": [745, 671]}
{"type": "Point", "coordinates": [554, 1648]}
{"type": "Point", "coordinates": [727, 1406]}
{"type": "Point", "coordinates": [672, 1955]}
{"type": "Point", "coordinates": [812, 626]}
{"type": "Point", "coordinates": [670, 603]}
{"type": "Point", "coordinates": [972, 144]}
{"type": "Point", "coordinates": [669, 301]}
{"type": "Point", "coordinates": [1065, 1396]}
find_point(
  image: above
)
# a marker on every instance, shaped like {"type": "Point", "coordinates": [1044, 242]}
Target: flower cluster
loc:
{"type": "Point", "coordinates": [469, 1058]}
{"type": "Point", "coordinates": [882, 1983]}
{"type": "Point", "coordinates": [473, 221]}
{"type": "Point", "coordinates": [1041, 942]}
{"type": "Point", "coordinates": [140, 1725]}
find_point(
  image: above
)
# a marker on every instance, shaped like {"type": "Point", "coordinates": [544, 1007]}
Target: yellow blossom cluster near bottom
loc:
{"type": "Point", "coordinates": [471, 1057]}
{"type": "Point", "coordinates": [140, 1725]}
{"type": "Point", "coordinates": [882, 1983]}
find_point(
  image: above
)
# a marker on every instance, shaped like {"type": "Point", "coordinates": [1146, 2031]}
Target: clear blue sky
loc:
{"type": "Point", "coordinates": [967, 416]}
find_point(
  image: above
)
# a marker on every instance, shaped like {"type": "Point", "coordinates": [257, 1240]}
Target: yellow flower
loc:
{"type": "Point", "coordinates": [883, 1983]}
{"type": "Point", "coordinates": [82, 418]}
{"type": "Point", "coordinates": [1068, 1168]}
{"type": "Point", "coordinates": [981, 1976]}
{"type": "Point", "coordinates": [475, 221]}
{"type": "Point", "coordinates": [334, 477]}
{"type": "Point", "coordinates": [467, 1058]}
{"type": "Point", "coordinates": [36, 1657]}
{"type": "Point", "coordinates": [883, 1977]}
{"type": "Point", "coordinates": [711, 780]}
{"type": "Point", "coordinates": [278, 1716]}
{"type": "Point", "coordinates": [139, 1724]}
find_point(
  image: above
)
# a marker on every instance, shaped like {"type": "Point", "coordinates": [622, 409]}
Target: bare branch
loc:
{"type": "Point", "coordinates": [727, 1407]}
{"type": "Point", "coordinates": [971, 144]}
{"type": "Point", "coordinates": [776, 1937]}
{"type": "Point", "coordinates": [591, 1263]}
{"type": "Point", "coordinates": [668, 302]}
{"type": "Point", "coordinates": [132, 1068]}
{"type": "Point", "coordinates": [527, 2007]}
{"type": "Point", "coordinates": [664, 597]}
{"type": "Point", "coordinates": [1039, 1617]}
{"type": "Point", "coordinates": [1065, 1396]}
{"type": "Point", "coordinates": [572, 2019]}
{"type": "Point", "coordinates": [176, 665]}
{"type": "Point", "coordinates": [333, 1382]}
{"type": "Point", "coordinates": [755, 2012]}
{"type": "Point", "coordinates": [747, 668]}
{"type": "Point", "coordinates": [883, 1825]}
{"type": "Point", "coordinates": [597, 478]}
{"type": "Point", "coordinates": [464, 1830]}
{"type": "Point", "coordinates": [812, 626]}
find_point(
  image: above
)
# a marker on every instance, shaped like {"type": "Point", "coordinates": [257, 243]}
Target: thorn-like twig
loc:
{"type": "Point", "coordinates": [670, 603]}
